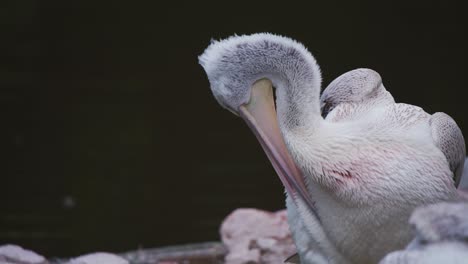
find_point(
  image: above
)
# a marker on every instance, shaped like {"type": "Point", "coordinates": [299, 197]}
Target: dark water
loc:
{"type": "Point", "coordinates": [110, 136]}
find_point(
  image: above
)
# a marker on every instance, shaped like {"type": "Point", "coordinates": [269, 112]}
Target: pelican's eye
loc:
{"type": "Point", "coordinates": [326, 108]}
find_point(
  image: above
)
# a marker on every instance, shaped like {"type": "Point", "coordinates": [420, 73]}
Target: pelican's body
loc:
{"type": "Point", "coordinates": [365, 167]}
{"type": "Point", "coordinates": [374, 170]}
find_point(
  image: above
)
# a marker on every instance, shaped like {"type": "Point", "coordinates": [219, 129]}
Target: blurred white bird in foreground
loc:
{"type": "Point", "coordinates": [441, 236]}
{"type": "Point", "coordinates": [354, 175]}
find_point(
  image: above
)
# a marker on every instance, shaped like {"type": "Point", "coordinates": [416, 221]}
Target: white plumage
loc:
{"type": "Point", "coordinates": [366, 165]}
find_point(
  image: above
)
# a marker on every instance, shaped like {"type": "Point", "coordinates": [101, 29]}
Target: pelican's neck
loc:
{"type": "Point", "coordinates": [298, 106]}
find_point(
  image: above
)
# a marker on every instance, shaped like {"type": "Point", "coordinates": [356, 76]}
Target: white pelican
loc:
{"type": "Point", "coordinates": [441, 236]}
{"type": "Point", "coordinates": [352, 178]}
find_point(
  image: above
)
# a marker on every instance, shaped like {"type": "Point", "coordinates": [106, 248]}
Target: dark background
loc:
{"type": "Point", "coordinates": [111, 139]}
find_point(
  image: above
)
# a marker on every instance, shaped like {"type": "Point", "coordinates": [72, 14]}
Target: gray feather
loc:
{"type": "Point", "coordinates": [356, 86]}
{"type": "Point", "coordinates": [464, 178]}
{"type": "Point", "coordinates": [449, 139]}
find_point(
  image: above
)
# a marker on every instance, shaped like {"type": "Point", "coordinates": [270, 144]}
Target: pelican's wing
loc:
{"type": "Point", "coordinates": [360, 86]}
{"type": "Point", "coordinates": [449, 139]}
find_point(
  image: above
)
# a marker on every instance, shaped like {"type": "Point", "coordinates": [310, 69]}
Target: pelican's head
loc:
{"type": "Point", "coordinates": [351, 87]}
{"type": "Point", "coordinates": [233, 66]}
{"type": "Point", "coordinates": [242, 71]}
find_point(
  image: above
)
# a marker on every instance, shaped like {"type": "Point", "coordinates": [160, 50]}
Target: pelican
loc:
{"type": "Point", "coordinates": [352, 176]}
{"type": "Point", "coordinates": [441, 236]}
